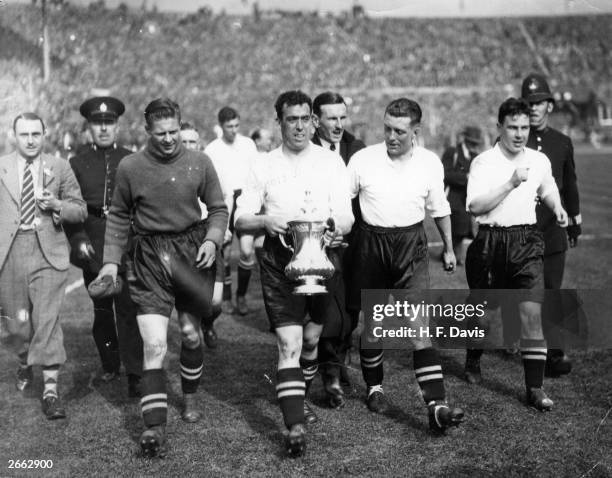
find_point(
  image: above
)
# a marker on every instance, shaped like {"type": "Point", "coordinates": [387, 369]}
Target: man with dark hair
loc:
{"type": "Point", "coordinates": [158, 189]}
{"type": "Point", "coordinates": [330, 118]}
{"type": "Point", "coordinates": [95, 168]}
{"type": "Point", "coordinates": [38, 194]}
{"type": "Point", "coordinates": [282, 182]}
{"type": "Point", "coordinates": [507, 253]}
{"type": "Point", "coordinates": [232, 154]}
{"type": "Point", "coordinates": [396, 181]}
{"type": "Point", "coordinates": [560, 152]}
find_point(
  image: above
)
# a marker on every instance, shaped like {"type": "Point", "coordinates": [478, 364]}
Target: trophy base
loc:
{"type": "Point", "coordinates": [311, 286]}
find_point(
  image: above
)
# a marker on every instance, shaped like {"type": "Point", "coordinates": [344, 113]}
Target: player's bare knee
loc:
{"type": "Point", "coordinates": [155, 350]}
{"type": "Point", "coordinates": [289, 348]}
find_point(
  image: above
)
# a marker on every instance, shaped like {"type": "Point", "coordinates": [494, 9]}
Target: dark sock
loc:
{"type": "Point", "coordinates": [428, 373]}
{"type": "Point", "coordinates": [154, 401]}
{"type": "Point", "coordinates": [290, 391]}
{"type": "Point", "coordinates": [309, 369]}
{"type": "Point", "coordinates": [227, 283]}
{"type": "Point", "coordinates": [533, 353]}
{"type": "Point", "coordinates": [244, 276]}
{"type": "Point", "coordinates": [372, 361]}
{"type": "Point", "coordinates": [192, 364]}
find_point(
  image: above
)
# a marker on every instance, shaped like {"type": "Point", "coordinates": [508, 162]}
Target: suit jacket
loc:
{"type": "Point", "coordinates": [349, 145]}
{"type": "Point", "coordinates": [55, 175]}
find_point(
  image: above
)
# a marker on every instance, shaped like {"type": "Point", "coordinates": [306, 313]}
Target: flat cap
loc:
{"type": "Point", "coordinates": [102, 108]}
{"type": "Point", "coordinates": [536, 89]}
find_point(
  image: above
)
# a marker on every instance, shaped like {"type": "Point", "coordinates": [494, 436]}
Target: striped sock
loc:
{"type": "Point", "coordinates": [309, 369]}
{"type": "Point", "coordinates": [533, 353]}
{"type": "Point", "coordinates": [154, 401]}
{"type": "Point", "coordinates": [50, 376]}
{"type": "Point", "coordinates": [372, 361]}
{"type": "Point", "coordinates": [192, 364]}
{"type": "Point", "coordinates": [290, 391]}
{"type": "Point", "coordinates": [428, 373]}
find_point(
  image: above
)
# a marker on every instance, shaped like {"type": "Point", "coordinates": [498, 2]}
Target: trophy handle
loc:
{"type": "Point", "coordinates": [284, 243]}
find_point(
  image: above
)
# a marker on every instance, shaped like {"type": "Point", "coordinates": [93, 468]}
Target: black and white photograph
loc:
{"type": "Point", "coordinates": [306, 238]}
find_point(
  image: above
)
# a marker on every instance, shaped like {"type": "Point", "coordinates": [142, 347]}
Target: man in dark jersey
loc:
{"type": "Point", "coordinates": [173, 252]}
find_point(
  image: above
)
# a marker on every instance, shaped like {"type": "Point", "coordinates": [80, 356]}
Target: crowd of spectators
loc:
{"type": "Point", "coordinates": [459, 69]}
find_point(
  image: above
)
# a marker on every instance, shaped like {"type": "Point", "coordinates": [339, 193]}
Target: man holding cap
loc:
{"type": "Point", "coordinates": [95, 168]}
{"type": "Point", "coordinates": [560, 151]}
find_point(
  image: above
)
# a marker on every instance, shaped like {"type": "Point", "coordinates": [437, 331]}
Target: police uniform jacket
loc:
{"type": "Point", "coordinates": [560, 151]}
{"type": "Point", "coordinates": [95, 170]}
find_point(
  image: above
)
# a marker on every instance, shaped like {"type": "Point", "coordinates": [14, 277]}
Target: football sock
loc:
{"type": "Point", "coordinates": [290, 391]}
{"type": "Point", "coordinates": [533, 353]}
{"type": "Point", "coordinates": [154, 401]}
{"type": "Point", "coordinates": [428, 373]}
{"type": "Point", "coordinates": [192, 364]}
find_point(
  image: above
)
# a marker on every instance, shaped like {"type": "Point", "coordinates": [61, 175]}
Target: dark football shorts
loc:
{"type": "Point", "coordinates": [506, 258]}
{"type": "Point", "coordinates": [220, 270]}
{"type": "Point", "coordinates": [166, 274]}
{"type": "Point", "coordinates": [282, 305]}
{"type": "Point", "coordinates": [388, 258]}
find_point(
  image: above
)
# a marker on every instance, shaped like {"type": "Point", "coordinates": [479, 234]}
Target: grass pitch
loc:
{"type": "Point", "coordinates": [241, 434]}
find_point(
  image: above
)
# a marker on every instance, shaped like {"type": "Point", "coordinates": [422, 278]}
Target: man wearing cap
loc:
{"type": "Point", "coordinates": [456, 161]}
{"type": "Point", "coordinates": [95, 169]}
{"type": "Point", "coordinates": [330, 118]}
{"type": "Point", "coordinates": [560, 151]}
{"type": "Point", "coordinates": [38, 195]}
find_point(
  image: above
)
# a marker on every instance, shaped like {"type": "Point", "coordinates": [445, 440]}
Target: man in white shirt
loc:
{"type": "Point", "coordinates": [396, 181]}
{"type": "Point", "coordinates": [508, 251]}
{"type": "Point", "coordinates": [232, 154]}
{"type": "Point", "coordinates": [296, 175]}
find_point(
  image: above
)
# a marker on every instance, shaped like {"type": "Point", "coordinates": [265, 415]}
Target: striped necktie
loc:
{"type": "Point", "coordinates": [28, 201]}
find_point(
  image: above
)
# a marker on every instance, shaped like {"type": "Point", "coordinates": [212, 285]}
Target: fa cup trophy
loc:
{"type": "Point", "coordinates": [309, 265]}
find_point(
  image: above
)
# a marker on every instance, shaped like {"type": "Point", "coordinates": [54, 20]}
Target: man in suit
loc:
{"type": "Point", "coordinates": [95, 167]}
{"type": "Point", "coordinates": [330, 117]}
{"type": "Point", "coordinates": [38, 194]}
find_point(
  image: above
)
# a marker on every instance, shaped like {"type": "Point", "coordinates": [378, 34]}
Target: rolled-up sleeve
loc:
{"type": "Point", "coordinates": [436, 203]}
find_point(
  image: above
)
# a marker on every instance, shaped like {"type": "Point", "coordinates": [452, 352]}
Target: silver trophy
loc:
{"type": "Point", "coordinates": [309, 265]}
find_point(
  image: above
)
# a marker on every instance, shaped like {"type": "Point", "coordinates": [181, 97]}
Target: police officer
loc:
{"type": "Point", "coordinates": [560, 151]}
{"type": "Point", "coordinates": [95, 168]}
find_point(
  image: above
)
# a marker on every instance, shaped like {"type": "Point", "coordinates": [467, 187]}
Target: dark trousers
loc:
{"type": "Point", "coordinates": [121, 342]}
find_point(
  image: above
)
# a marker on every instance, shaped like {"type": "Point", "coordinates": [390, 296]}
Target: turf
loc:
{"type": "Point", "coordinates": [241, 434]}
